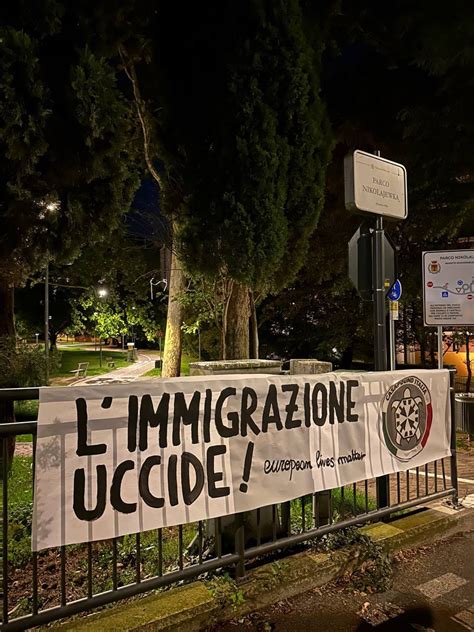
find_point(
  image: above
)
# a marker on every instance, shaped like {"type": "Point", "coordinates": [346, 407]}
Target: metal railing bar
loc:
{"type": "Point", "coordinates": [259, 527]}
{"type": "Point", "coordinates": [19, 394]}
{"type": "Point", "coordinates": [18, 427]}
{"type": "Point", "coordinates": [138, 575]}
{"type": "Point", "coordinates": [89, 570]}
{"type": "Point", "coordinates": [114, 564]}
{"type": "Point", "coordinates": [180, 547]}
{"type": "Point", "coordinates": [316, 510]}
{"type": "Point", "coordinates": [34, 574]}
{"type": "Point", "coordinates": [160, 551]}
{"type": "Point", "coordinates": [200, 540]}
{"type": "Point", "coordinates": [443, 473]}
{"type": "Point", "coordinates": [5, 528]}
{"type": "Point", "coordinates": [219, 538]}
{"type": "Point", "coordinates": [63, 576]}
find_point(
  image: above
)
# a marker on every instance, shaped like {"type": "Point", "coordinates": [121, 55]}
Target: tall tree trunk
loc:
{"type": "Point", "coordinates": [174, 320]}
{"type": "Point", "coordinates": [254, 342]}
{"type": "Point", "coordinates": [226, 294]}
{"type": "Point", "coordinates": [53, 337]}
{"type": "Point", "coordinates": [7, 330]}
{"type": "Point", "coordinates": [237, 334]}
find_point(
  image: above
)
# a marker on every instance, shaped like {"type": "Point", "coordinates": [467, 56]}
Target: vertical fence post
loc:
{"type": "Point", "coordinates": [4, 530]}
{"type": "Point", "coordinates": [240, 546]}
{"type": "Point", "coordinates": [454, 464]}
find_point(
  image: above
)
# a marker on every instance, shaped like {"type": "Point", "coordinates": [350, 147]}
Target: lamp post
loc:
{"type": "Point", "coordinates": [102, 293]}
{"type": "Point", "coordinates": [46, 322]}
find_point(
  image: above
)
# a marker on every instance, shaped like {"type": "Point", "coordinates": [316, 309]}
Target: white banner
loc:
{"type": "Point", "coordinates": [118, 459]}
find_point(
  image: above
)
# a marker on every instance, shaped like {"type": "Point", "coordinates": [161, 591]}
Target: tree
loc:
{"type": "Point", "coordinates": [68, 166]}
{"type": "Point", "coordinates": [67, 143]}
{"type": "Point", "coordinates": [414, 65]}
{"type": "Point", "coordinates": [29, 309]}
{"type": "Point", "coordinates": [251, 139]}
{"type": "Point", "coordinates": [123, 268]}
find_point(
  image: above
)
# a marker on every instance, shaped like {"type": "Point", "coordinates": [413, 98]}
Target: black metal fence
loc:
{"type": "Point", "coordinates": [41, 587]}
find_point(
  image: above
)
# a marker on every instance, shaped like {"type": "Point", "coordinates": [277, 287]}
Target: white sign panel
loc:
{"type": "Point", "coordinates": [448, 287]}
{"type": "Point", "coordinates": [375, 185]}
{"type": "Point", "coordinates": [118, 459]}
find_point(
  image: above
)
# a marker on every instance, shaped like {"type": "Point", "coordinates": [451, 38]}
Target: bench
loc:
{"type": "Point", "coordinates": [81, 370]}
{"type": "Point", "coordinates": [110, 363]}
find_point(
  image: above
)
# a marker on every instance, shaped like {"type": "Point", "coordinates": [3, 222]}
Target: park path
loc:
{"type": "Point", "coordinates": [146, 362]}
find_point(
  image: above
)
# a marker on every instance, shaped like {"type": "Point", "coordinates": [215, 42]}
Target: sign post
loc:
{"type": "Point", "coordinates": [376, 186]}
{"type": "Point", "coordinates": [380, 336]}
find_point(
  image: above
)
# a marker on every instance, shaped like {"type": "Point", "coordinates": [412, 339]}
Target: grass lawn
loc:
{"type": "Point", "coordinates": [26, 410]}
{"type": "Point", "coordinates": [71, 356]}
{"type": "Point", "coordinates": [20, 507]}
{"type": "Point", "coordinates": [185, 360]}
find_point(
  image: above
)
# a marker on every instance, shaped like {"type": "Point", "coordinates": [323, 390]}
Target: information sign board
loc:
{"type": "Point", "coordinates": [448, 287]}
{"type": "Point", "coordinates": [375, 185]}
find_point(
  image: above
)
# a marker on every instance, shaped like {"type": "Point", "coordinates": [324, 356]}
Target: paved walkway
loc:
{"type": "Point", "coordinates": [130, 373]}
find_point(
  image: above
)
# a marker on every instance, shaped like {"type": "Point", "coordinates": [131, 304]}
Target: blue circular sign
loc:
{"type": "Point", "coordinates": [395, 291]}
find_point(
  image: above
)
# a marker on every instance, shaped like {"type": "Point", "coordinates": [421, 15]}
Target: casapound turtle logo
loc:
{"type": "Point", "coordinates": [406, 417]}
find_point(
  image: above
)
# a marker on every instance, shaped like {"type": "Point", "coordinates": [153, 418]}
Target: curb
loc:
{"type": "Point", "coordinates": [188, 608]}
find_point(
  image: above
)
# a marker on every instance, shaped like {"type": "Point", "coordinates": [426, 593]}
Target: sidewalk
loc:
{"type": "Point", "coordinates": [431, 590]}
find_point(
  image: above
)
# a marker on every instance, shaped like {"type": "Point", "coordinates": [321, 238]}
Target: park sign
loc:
{"type": "Point", "coordinates": [448, 287]}
{"type": "Point", "coordinates": [375, 185]}
{"type": "Point", "coordinates": [119, 459]}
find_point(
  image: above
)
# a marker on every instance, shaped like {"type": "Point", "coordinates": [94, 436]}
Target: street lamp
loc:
{"type": "Point", "coordinates": [50, 207]}
{"type": "Point", "coordinates": [102, 293]}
